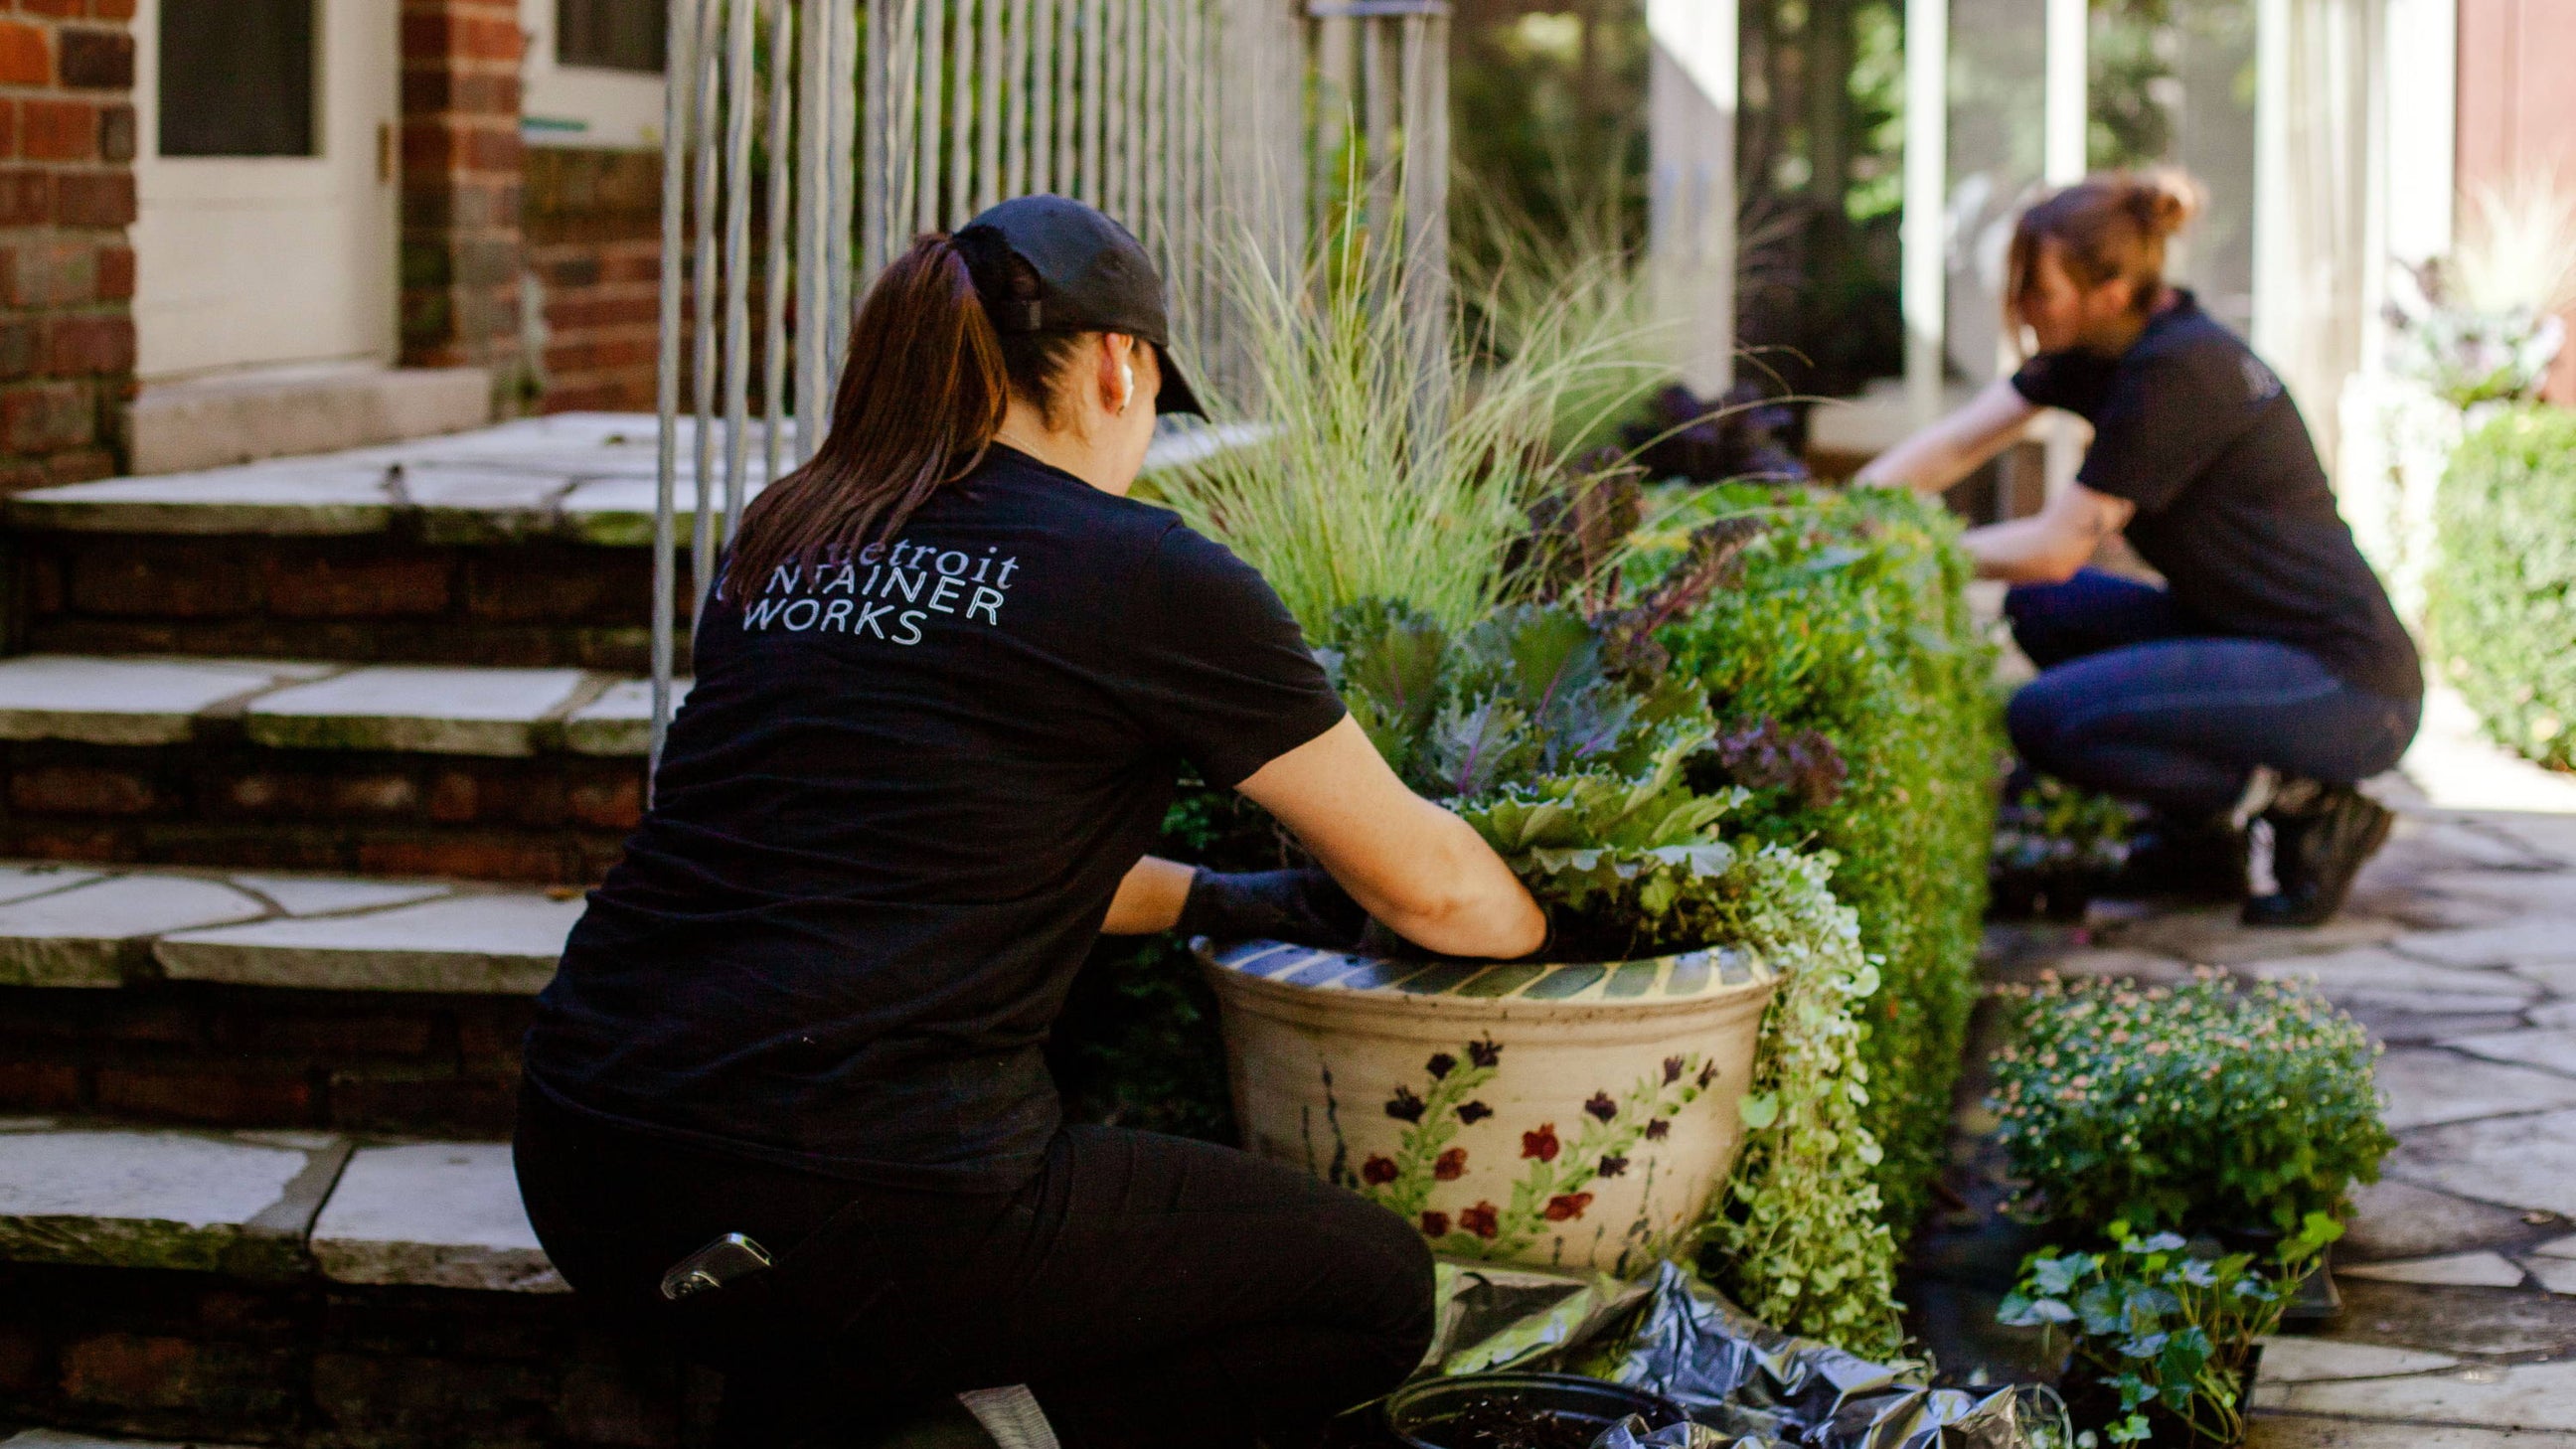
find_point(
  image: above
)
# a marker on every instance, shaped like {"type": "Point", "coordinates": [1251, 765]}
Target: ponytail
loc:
{"type": "Point", "coordinates": [921, 396]}
{"type": "Point", "coordinates": [2107, 227]}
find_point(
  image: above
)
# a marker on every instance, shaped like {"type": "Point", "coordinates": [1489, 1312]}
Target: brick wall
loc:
{"type": "Point", "coordinates": [594, 235]}
{"type": "Point", "coordinates": [251, 1057]}
{"type": "Point", "coordinates": [208, 1358]}
{"type": "Point", "coordinates": [66, 270]}
{"type": "Point", "coordinates": [463, 251]}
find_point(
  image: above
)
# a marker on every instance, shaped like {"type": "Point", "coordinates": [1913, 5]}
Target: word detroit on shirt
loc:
{"type": "Point", "coordinates": [887, 591]}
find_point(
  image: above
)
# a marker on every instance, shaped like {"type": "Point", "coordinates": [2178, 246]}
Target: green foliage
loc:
{"type": "Point", "coordinates": [2503, 590]}
{"type": "Point", "coordinates": [1850, 619]}
{"type": "Point", "coordinates": [1801, 1240]}
{"type": "Point", "coordinates": [1387, 468]}
{"type": "Point", "coordinates": [2167, 1331]}
{"type": "Point", "coordinates": [2203, 1106]}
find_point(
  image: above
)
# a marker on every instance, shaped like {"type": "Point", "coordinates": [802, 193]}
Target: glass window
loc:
{"type": "Point", "coordinates": [237, 78]}
{"type": "Point", "coordinates": [613, 34]}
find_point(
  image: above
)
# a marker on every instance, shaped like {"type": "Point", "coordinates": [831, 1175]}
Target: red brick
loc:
{"type": "Point", "coordinates": [97, 60]}
{"type": "Point", "coordinates": [25, 60]}
{"type": "Point", "coordinates": [111, 9]}
{"type": "Point", "coordinates": [26, 197]}
{"type": "Point", "coordinates": [40, 1086]}
{"type": "Point", "coordinates": [57, 130]}
{"type": "Point", "coordinates": [160, 585]}
{"type": "Point", "coordinates": [454, 797]}
{"type": "Point", "coordinates": [83, 790]}
{"type": "Point", "coordinates": [378, 794]}
{"type": "Point", "coordinates": [131, 1370]}
{"type": "Point", "coordinates": [116, 133]}
{"type": "Point", "coordinates": [115, 266]}
{"type": "Point", "coordinates": [19, 348]}
{"type": "Point", "coordinates": [474, 857]}
{"type": "Point", "coordinates": [610, 805]}
{"type": "Point", "coordinates": [8, 129]}
{"type": "Point", "coordinates": [75, 345]}
{"type": "Point", "coordinates": [209, 1095]}
{"type": "Point", "coordinates": [103, 199]}
{"type": "Point", "coordinates": [362, 588]}
{"type": "Point", "coordinates": [48, 275]}
{"type": "Point", "coordinates": [338, 1035]}
{"type": "Point", "coordinates": [409, 1101]}
{"type": "Point", "coordinates": [80, 465]}
{"type": "Point", "coordinates": [42, 417]}
{"type": "Point", "coordinates": [26, 1366]}
{"type": "Point", "coordinates": [58, 9]}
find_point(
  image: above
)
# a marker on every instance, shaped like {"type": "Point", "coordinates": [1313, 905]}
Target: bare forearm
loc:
{"type": "Point", "coordinates": [1481, 908]}
{"type": "Point", "coordinates": [2025, 551]}
{"type": "Point", "coordinates": [1928, 462]}
{"type": "Point", "coordinates": [1149, 899]}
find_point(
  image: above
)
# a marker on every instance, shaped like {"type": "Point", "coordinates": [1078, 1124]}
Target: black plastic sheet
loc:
{"type": "Point", "coordinates": [1760, 1388]}
{"type": "Point", "coordinates": [1746, 1384]}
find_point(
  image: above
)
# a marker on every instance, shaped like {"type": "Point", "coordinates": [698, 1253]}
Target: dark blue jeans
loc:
{"type": "Point", "coordinates": [2135, 700]}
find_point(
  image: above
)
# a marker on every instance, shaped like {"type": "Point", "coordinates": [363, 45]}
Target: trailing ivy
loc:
{"type": "Point", "coordinates": [1849, 619]}
{"type": "Point", "coordinates": [1801, 1240]}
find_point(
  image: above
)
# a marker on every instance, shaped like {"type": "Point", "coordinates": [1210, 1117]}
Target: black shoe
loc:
{"type": "Point", "coordinates": [2317, 849]}
{"type": "Point", "coordinates": [2180, 859]}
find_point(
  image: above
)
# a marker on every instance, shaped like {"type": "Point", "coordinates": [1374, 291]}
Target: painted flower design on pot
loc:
{"type": "Point", "coordinates": [1556, 1169]}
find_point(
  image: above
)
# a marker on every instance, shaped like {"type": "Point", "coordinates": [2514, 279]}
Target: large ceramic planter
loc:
{"type": "Point", "coordinates": [1562, 1116]}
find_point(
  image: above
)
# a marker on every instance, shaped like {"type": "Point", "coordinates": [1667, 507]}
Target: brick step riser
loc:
{"type": "Point", "coordinates": [550, 819]}
{"type": "Point", "coordinates": [201, 1054]}
{"type": "Point", "coordinates": [375, 599]}
{"type": "Point", "coordinates": [196, 1357]}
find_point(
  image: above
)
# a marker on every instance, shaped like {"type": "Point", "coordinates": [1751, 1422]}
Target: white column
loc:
{"type": "Point", "coordinates": [1923, 277]}
{"type": "Point", "coordinates": [2065, 125]}
{"type": "Point", "coordinates": [1691, 105]}
{"type": "Point", "coordinates": [2275, 265]}
{"type": "Point", "coordinates": [2064, 122]}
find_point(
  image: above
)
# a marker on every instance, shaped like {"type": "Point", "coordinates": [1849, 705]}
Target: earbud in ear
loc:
{"type": "Point", "coordinates": [1127, 373]}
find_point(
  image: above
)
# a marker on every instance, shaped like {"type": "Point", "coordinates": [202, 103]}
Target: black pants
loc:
{"type": "Point", "coordinates": [1151, 1290]}
{"type": "Point", "coordinates": [2134, 700]}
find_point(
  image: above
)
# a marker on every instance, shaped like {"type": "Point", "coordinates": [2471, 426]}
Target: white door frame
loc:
{"type": "Point", "coordinates": [249, 263]}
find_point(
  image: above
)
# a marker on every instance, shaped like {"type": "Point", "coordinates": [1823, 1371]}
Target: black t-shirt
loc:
{"type": "Point", "coordinates": [890, 819]}
{"type": "Point", "coordinates": [2233, 507]}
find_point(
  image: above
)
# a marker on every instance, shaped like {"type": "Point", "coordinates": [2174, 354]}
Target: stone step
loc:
{"type": "Point", "coordinates": [521, 545]}
{"type": "Point", "coordinates": [585, 478]}
{"type": "Point", "coordinates": [494, 773]}
{"type": "Point", "coordinates": [106, 929]}
{"type": "Point", "coordinates": [267, 1000]}
{"type": "Point", "coordinates": [270, 1205]}
{"type": "Point", "coordinates": [169, 1288]}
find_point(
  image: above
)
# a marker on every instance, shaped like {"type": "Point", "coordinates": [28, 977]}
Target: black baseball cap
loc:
{"type": "Point", "coordinates": [1093, 276]}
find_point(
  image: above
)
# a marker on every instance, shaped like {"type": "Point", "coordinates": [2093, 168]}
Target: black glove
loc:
{"type": "Point", "coordinates": [1304, 907]}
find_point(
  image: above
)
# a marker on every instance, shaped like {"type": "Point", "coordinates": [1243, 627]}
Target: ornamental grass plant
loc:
{"type": "Point", "coordinates": [2211, 1106]}
{"type": "Point", "coordinates": [1400, 459]}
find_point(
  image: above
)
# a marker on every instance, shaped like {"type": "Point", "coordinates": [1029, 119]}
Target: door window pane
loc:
{"type": "Point", "coordinates": [237, 78]}
{"type": "Point", "coordinates": [615, 34]}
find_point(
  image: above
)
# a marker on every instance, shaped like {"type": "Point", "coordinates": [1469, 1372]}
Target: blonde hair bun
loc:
{"type": "Point", "coordinates": [2166, 199]}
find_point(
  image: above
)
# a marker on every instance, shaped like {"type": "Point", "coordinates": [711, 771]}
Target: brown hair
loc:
{"type": "Point", "coordinates": [2111, 226]}
{"type": "Point", "coordinates": [922, 393]}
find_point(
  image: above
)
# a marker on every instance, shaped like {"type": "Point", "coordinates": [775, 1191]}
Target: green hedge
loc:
{"type": "Point", "coordinates": [1852, 619]}
{"type": "Point", "coordinates": [2503, 591]}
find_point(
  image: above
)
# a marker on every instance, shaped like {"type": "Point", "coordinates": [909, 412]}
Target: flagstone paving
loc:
{"type": "Point", "coordinates": [2458, 1274]}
